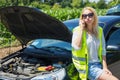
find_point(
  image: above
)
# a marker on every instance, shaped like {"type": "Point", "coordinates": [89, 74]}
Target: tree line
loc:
{"type": "Point", "coordinates": [101, 4]}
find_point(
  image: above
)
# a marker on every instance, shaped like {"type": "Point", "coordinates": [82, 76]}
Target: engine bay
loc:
{"type": "Point", "coordinates": [24, 66]}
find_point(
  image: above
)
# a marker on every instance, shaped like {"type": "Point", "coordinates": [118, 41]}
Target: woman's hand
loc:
{"type": "Point", "coordinates": [82, 24]}
{"type": "Point", "coordinates": [107, 71]}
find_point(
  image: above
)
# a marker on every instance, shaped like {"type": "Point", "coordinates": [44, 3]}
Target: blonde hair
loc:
{"type": "Point", "coordinates": [95, 23]}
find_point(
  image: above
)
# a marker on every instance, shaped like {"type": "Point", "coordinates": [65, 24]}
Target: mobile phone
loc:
{"type": "Point", "coordinates": [83, 23]}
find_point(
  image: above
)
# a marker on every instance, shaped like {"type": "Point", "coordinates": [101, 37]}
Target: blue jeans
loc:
{"type": "Point", "coordinates": [94, 70]}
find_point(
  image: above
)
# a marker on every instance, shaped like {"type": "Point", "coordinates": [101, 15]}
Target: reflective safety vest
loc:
{"type": "Point", "coordinates": [80, 56]}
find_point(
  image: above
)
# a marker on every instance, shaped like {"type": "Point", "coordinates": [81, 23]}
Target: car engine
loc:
{"type": "Point", "coordinates": [24, 66]}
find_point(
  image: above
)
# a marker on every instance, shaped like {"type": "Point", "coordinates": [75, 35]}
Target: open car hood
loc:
{"type": "Point", "coordinates": [30, 23]}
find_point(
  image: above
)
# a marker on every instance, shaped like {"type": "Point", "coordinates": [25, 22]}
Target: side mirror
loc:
{"type": "Point", "coordinates": [113, 48]}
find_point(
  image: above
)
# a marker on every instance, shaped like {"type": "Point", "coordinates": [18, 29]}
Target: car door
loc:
{"type": "Point", "coordinates": [113, 50]}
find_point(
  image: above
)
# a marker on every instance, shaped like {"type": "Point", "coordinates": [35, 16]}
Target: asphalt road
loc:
{"type": "Point", "coordinates": [115, 69]}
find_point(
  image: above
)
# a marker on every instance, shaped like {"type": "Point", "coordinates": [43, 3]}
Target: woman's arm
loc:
{"type": "Point", "coordinates": [105, 68]}
{"type": "Point", "coordinates": [77, 39]}
{"type": "Point", "coordinates": [104, 62]}
{"type": "Point", "coordinates": [77, 36]}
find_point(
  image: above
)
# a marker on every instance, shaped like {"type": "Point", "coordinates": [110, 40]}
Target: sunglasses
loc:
{"type": "Point", "coordinates": [90, 15]}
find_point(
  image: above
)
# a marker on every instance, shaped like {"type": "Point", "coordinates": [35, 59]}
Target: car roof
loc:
{"type": "Point", "coordinates": [108, 18]}
{"type": "Point", "coordinates": [108, 22]}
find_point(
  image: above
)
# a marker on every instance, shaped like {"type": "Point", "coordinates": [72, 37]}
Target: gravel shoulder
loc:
{"type": "Point", "coordinates": [7, 51]}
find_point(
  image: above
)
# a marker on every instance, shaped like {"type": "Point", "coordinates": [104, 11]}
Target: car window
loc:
{"type": "Point", "coordinates": [114, 37]}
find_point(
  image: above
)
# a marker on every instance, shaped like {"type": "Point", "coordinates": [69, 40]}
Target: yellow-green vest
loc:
{"type": "Point", "coordinates": [80, 57]}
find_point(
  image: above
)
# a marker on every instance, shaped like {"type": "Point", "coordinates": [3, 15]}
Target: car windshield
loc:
{"type": "Point", "coordinates": [42, 43]}
{"type": "Point", "coordinates": [114, 10]}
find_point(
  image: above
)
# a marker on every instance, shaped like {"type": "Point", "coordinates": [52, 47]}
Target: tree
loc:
{"type": "Point", "coordinates": [2, 3]}
{"type": "Point", "coordinates": [66, 3]}
{"type": "Point", "coordinates": [113, 3]}
{"type": "Point", "coordinates": [101, 4]}
{"type": "Point", "coordinates": [76, 3]}
{"type": "Point", "coordinates": [91, 4]}
{"type": "Point", "coordinates": [56, 6]}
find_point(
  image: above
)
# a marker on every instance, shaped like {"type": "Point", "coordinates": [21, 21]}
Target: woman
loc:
{"type": "Point", "coordinates": [89, 54]}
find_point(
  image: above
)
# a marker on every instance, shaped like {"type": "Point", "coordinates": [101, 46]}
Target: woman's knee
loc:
{"type": "Point", "coordinates": [105, 76]}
